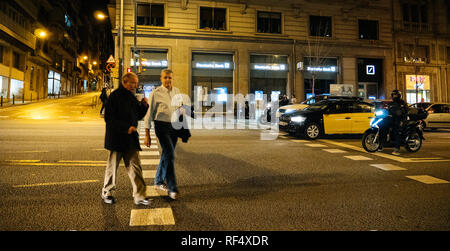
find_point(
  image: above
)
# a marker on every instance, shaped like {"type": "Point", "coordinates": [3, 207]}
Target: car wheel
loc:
{"type": "Point", "coordinates": [312, 131]}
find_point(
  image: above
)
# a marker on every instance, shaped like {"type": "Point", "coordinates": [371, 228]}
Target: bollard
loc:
{"type": "Point", "coordinates": [31, 97]}
{"type": "Point", "coordinates": [14, 99]}
{"type": "Point", "coordinates": [2, 101]}
{"type": "Point", "coordinates": [23, 98]}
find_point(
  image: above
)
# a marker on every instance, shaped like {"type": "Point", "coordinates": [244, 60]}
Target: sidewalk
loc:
{"type": "Point", "coordinates": [26, 102]}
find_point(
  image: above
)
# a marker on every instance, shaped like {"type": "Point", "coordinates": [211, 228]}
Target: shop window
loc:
{"type": "Point", "coordinates": [320, 26]}
{"type": "Point", "coordinates": [368, 29]}
{"type": "Point", "coordinates": [269, 22]}
{"type": "Point", "coordinates": [213, 18]}
{"type": "Point", "coordinates": [150, 14]}
{"type": "Point", "coordinates": [4, 86]}
{"type": "Point", "coordinates": [148, 66]}
{"type": "Point", "coordinates": [212, 77]}
{"type": "Point", "coordinates": [268, 75]}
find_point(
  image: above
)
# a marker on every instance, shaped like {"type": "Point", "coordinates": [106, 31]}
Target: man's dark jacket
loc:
{"type": "Point", "coordinates": [122, 111]}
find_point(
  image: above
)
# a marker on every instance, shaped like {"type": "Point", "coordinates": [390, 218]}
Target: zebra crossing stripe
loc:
{"type": "Point", "coordinates": [149, 161]}
{"type": "Point", "coordinates": [155, 216]}
{"type": "Point", "coordinates": [427, 179]}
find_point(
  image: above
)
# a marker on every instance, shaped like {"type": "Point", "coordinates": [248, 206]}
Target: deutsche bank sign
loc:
{"type": "Point", "coordinates": [370, 69]}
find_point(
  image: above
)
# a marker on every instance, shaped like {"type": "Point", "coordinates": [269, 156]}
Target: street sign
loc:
{"type": "Point", "coordinates": [111, 60]}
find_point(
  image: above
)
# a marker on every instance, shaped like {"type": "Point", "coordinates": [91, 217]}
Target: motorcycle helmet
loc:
{"type": "Point", "coordinates": [396, 95]}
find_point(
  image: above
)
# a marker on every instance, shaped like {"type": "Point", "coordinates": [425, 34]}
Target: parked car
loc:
{"type": "Point", "coordinates": [332, 116]}
{"type": "Point", "coordinates": [438, 116]}
{"type": "Point", "coordinates": [423, 105]}
{"type": "Point", "coordinates": [309, 101]}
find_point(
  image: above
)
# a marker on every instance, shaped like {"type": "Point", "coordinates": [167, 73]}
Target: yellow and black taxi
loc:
{"type": "Point", "coordinates": [329, 117]}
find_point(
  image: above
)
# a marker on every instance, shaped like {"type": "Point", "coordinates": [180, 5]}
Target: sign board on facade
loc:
{"type": "Point", "coordinates": [341, 90]}
{"type": "Point", "coordinates": [421, 82]}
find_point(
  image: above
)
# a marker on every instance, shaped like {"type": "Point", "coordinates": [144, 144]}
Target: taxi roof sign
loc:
{"type": "Point", "coordinates": [111, 60]}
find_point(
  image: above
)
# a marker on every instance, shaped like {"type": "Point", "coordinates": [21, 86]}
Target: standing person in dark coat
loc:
{"type": "Point", "coordinates": [123, 111]}
{"type": "Point", "coordinates": [103, 98]}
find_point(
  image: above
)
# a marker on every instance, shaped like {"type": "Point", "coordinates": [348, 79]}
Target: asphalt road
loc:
{"type": "Point", "coordinates": [52, 165]}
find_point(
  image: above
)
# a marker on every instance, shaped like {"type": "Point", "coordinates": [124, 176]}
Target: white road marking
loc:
{"type": "Point", "coordinates": [149, 153]}
{"type": "Point", "coordinates": [357, 157]}
{"type": "Point", "coordinates": [148, 217]}
{"type": "Point", "coordinates": [151, 147]}
{"type": "Point", "coordinates": [149, 161]}
{"type": "Point", "coordinates": [315, 145]}
{"type": "Point", "coordinates": [384, 155]}
{"type": "Point", "coordinates": [300, 141]}
{"type": "Point", "coordinates": [388, 167]}
{"type": "Point", "coordinates": [334, 150]}
{"type": "Point", "coordinates": [149, 174]}
{"type": "Point", "coordinates": [427, 179]}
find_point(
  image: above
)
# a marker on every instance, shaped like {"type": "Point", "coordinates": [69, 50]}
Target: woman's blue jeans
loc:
{"type": "Point", "coordinates": [166, 169]}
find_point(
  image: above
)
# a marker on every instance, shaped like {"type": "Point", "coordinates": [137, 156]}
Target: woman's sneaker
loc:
{"type": "Point", "coordinates": [173, 195]}
{"type": "Point", "coordinates": [144, 202]}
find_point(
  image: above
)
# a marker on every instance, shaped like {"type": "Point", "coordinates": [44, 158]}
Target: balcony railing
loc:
{"type": "Point", "coordinates": [413, 27]}
{"type": "Point", "coordinates": [19, 32]}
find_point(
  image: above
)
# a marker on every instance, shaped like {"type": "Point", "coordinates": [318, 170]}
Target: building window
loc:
{"type": "Point", "coordinates": [415, 17]}
{"type": "Point", "coordinates": [320, 26]}
{"type": "Point", "coordinates": [67, 21]}
{"type": "Point", "coordinates": [150, 14]}
{"type": "Point", "coordinates": [1, 54]}
{"type": "Point", "coordinates": [269, 22]}
{"type": "Point", "coordinates": [17, 61]}
{"type": "Point", "coordinates": [368, 29]}
{"type": "Point", "coordinates": [32, 78]}
{"type": "Point", "coordinates": [213, 18]}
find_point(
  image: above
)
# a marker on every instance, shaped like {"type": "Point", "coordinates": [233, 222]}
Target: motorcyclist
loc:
{"type": "Point", "coordinates": [398, 109]}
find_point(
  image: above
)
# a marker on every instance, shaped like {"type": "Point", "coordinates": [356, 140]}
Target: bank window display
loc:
{"type": "Point", "coordinates": [269, 22]}
{"type": "Point", "coordinates": [212, 77]}
{"type": "Point", "coordinates": [54, 83]}
{"type": "Point", "coordinates": [418, 89]}
{"type": "Point", "coordinates": [213, 18]}
{"type": "Point", "coordinates": [370, 78]}
{"type": "Point", "coordinates": [148, 65]}
{"type": "Point", "coordinates": [150, 14]}
{"type": "Point", "coordinates": [268, 76]}
{"type": "Point", "coordinates": [318, 74]}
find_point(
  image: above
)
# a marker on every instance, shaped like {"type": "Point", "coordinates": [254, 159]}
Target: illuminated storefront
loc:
{"type": "Point", "coordinates": [16, 88]}
{"type": "Point", "coordinates": [212, 77]}
{"type": "Point", "coordinates": [268, 76]}
{"type": "Point", "coordinates": [370, 78]}
{"type": "Point", "coordinates": [320, 72]}
{"type": "Point", "coordinates": [149, 63]}
{"type": "Point", "coordinates": [54, 83]}
{"type": "Point", "coordinates": [418, 88]}
{"type": "Point", "coordinates": [3, 86]}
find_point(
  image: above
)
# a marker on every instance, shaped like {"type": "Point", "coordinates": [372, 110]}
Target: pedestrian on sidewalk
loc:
{"type": "Point", "coordinates": [122, 113]}
{"type": "Point", "coordinates": [160, 111]}
{"type": "Point", "coordinates": [103, 98]}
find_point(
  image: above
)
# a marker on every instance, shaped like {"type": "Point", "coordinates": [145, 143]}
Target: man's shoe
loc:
{"type": "Point", "coordinates": [173, 195]}
{"type": "Point", "coordinates": [162, 187]}
{"type": "Point", "coordinates": [144, 202]}
{"type": "Point", "coordinates": [380, 149]}
{"type": "Point", "coordinates": [396, 152]}
{"type": "Point", "coordinates": [109, 200]}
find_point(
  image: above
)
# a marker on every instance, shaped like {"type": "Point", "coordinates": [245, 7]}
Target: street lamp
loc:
{"type": "Point", "coordinates": [99, 15]}
{"type": "Point", "coordinates": [41, 33]}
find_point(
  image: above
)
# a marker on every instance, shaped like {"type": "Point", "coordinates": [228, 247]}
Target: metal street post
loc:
{"type": "Point", "coordinates": [121, 50]}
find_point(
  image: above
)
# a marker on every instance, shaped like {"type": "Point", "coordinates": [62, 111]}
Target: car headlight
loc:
{"type": "Point", "coordinates": [298, 119]}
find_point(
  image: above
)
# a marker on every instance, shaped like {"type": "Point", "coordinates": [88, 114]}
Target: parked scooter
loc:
{"type": "Point", "coordinates": [412, 131]}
